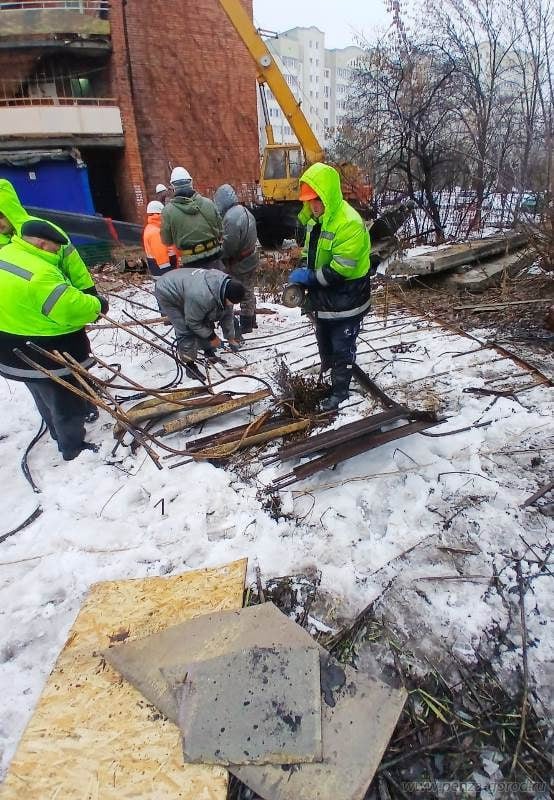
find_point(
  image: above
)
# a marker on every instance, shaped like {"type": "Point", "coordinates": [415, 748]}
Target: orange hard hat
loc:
{"type": "Point", "coordinates": [307, 193]}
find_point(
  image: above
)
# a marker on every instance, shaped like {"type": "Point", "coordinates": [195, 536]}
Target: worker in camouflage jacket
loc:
{"type": "Point", "coordinates": [239, 252]}
{"type": "Point", "coordinates": [195, 300]}
{"type": "Point", "coordinates": [191, 223]}
{"type": "Point", "coordinates": [39, 305]}
{"type": "Point", "coordinates": [335, 272]}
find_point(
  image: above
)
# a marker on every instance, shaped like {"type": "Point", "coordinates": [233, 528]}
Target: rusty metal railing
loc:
{"type": "Point", "coordinates": [90, 7]}
{"type": "Point", "coordinates": [19, 102]}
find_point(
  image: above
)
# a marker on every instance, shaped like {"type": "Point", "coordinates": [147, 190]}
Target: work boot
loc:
{"type": "Point", "coordinates": [69, 455]}
{"type": "Point", "coordinates": [332, 402]}
{"type": "Point", "coordinates": [92, 414]}
{"type": "Point", "coordinates": [246, 324]}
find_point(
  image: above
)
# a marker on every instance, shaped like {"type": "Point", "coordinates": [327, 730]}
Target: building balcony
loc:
{"type": "Point", "coordinates": [56, 121]}
{"type": "Point", "coordinates": [81, 25]}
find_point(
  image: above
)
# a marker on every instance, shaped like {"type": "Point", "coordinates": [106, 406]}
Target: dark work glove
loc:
{"type": "Point", "coordinates": [104, 305]}
{"type": "Point", "coordinates": [303, 276]}
{"type": "Point", "coordinates": [91, 290]}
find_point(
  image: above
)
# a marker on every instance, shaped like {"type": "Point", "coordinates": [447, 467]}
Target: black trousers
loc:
{"type": "Point", "coordinates": [62, 411]}
{"type": "Point", "coordinates": [336, 342]}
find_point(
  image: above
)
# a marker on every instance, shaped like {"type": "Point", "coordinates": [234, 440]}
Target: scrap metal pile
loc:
{"type": "Point", "coordinates": [252, 691]}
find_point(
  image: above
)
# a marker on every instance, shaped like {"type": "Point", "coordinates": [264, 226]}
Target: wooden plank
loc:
{"type": "Point", "coordinates": [93, 736]}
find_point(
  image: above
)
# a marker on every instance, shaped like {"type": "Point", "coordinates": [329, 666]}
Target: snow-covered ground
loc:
{"type": "Point", "coordinates": [104, 520]}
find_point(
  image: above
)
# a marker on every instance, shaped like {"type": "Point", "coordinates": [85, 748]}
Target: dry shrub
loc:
{"type": "Point", "coordinates": [542, 239]}
{"type": "Point", "coordinates": [304, 392]}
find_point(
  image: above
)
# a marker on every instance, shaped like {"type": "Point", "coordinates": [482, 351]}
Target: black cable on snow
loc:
{"type": "Point", "coordinates": [24, 461]}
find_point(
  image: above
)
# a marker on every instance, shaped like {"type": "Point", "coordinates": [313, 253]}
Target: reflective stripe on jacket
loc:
{"type": "Point", "coordinates": [159, 256]}
{"type": "Point", "coordinates": [340, 258]}
{"type": "Point", "coordinates": [37, 299]}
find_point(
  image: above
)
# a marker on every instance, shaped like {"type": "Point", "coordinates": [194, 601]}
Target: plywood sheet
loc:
{"type": "Point", "coordinates": [93, 736]}
{"type": "Point", "coordinates": [255, 706]}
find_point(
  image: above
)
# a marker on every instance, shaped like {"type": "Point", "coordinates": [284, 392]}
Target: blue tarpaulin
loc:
{"type": "Point", "coordinates": [59, 185]}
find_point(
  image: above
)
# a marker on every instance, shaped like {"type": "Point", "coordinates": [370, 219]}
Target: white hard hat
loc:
{"type": "Point", "coordinates": [161, 188]}
{"type": "Point", "coordinates": [180, 174]}
{"type": "Point", "coordinates": [154, 207]}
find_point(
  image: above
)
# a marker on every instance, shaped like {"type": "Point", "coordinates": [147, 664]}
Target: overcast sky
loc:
{"type": "Point", "coordinates": [340, 20]}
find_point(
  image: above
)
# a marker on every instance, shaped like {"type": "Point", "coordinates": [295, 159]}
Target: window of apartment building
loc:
{"type": "Point", "coordinates": [317, 45]}
{"type": "Point", "coordinates": [317, 62]}
{"type": "Point", "coordinates": [317, 78]}
{"type": "Point", "coordinates": [326, 105]}
{"type": "Point", "coordinates": [325, 91]}
{"type": "Point", "coordinates": [326, 122]}
{"type": "Point", "coordinates": [287, 130]}
{"type": "Point", "coordinates": [311, 60]}
{"type": "Point", "coordinates": [326, 73]}
{"type": "Point", "coordinates": [311, 93]}
{"type": "Point", "coordinates": [310, 43]}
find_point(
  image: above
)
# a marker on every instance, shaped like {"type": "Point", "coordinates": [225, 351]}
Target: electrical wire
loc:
{"type": "Point", "coordinates": [24, 461]}
{"type": "Point", "coordinates": [29, 478]}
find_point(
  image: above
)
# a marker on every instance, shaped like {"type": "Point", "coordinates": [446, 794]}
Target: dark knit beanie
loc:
{"type": "Point", "coordinates": [234, 291]}
{"type": "Point", "coordinates": [41, 229]}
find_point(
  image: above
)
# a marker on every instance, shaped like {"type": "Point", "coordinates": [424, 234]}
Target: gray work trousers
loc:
{"type": "Point", "coordinates": [248, 280]}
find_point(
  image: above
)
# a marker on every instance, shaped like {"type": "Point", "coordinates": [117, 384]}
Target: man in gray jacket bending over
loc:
{"type": "Point", "coordinates": [194, 300]}
{"type": "Point", "coordinates": [239, 249]}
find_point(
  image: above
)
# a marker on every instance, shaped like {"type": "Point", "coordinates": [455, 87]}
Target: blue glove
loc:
{"type": "Point", "coordinates": [303, 276]}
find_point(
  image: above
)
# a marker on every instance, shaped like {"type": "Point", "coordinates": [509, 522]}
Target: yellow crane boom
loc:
{"type": "Point", "coordinates": [270, 74]}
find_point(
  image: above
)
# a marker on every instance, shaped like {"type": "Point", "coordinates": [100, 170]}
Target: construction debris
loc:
{"type": "Point", "coordinates": [256, 706]}
{"type": "Point", "coordinates": [348, 441]}
{"type": "Point", "coordinates": [93, 730]}
{"type": "Point", "coordinates": [363, 706]}
{"type": "Point", "coordinates": [477, 278]}
{"type": "Point", "coordinates": [457, 255]}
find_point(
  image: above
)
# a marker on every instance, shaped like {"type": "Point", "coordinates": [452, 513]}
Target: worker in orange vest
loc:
{"type": "Point", "coordinates": [161, 258]}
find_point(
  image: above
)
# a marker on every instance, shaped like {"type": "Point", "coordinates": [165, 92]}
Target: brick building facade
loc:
{"type": "Point", "coordinates": [141, 86]}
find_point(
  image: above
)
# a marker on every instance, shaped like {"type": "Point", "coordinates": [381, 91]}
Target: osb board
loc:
{"type": "Point", "coordinates": [92, 735]}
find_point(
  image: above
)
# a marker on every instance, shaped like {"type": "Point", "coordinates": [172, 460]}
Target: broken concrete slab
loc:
{"type": "Point", "coordinates": [206, 636]}
{"type": "Point", "coordinates": [359, 715]}
{"type": "Point", "coordinates": [256, 706]}
{"type": "Point", "coordinates": [481, 277]}
{"type": "Point", "coordinates": [457, 255]}
{"type": "Point", "coordinates": [359, 712]}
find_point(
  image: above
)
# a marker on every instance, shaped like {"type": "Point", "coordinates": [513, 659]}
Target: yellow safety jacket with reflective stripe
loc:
{"type": "Point", "coordinates": [342, 247]}
{"type": "Point", "coordinates": [36, 299]}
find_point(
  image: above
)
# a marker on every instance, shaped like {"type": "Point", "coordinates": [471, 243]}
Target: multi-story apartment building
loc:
{"type": "Point", "coordinates": [319, 78]}
{"type": "Point", "coordinates": [99, 99]}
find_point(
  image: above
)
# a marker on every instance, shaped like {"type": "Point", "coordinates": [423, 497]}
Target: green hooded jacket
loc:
{"type": "Point", "coordinates": [341, 243]}
{"type": "Point", "coordinates": [193, 225]}
{"type": "Point", "coordinates": [37, 299]}
{"type": "Point", "coordinates": [69, 260]}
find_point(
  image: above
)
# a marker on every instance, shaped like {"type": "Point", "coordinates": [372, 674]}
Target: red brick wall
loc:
{"type": "Point", "coordinates": [129, 177]}
{"type": "Point", "coordinates": [194, 92]}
